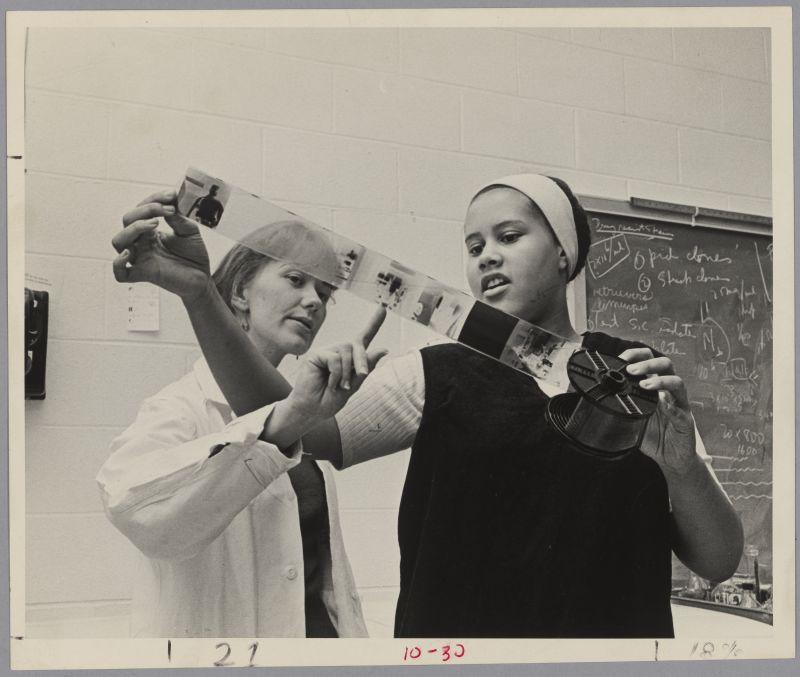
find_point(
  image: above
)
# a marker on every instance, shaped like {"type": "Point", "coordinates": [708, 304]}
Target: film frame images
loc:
{"type": "Point", "coordinates": [202, 198]}
{"type": "Point", "coordinates": [377, 278]}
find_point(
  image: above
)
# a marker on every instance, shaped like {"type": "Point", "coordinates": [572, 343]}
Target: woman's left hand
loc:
{"type": "Point", "coordinates": [669, 438]}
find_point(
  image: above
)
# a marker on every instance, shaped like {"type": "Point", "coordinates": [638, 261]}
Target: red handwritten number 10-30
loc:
{"type": "Point", "coordinates": [447, 652]}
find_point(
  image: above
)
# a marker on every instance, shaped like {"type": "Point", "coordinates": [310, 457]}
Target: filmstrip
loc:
{"type": "Point", "coordinates": [372, 276]}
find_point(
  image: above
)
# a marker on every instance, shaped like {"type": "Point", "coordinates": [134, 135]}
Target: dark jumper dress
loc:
{"type": "Point", "coordinates": [506, 531]}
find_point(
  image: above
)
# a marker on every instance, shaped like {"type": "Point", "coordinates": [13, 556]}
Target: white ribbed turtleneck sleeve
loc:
{"type": "Point", "coordinates": [384, 415]}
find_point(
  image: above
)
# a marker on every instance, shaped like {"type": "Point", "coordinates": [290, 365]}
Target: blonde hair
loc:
{"type": "Point", "coordinates": [290, 240]}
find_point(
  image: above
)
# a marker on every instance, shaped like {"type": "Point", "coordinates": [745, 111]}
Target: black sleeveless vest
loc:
{"type": "Point", "coordinates": [506, 531]}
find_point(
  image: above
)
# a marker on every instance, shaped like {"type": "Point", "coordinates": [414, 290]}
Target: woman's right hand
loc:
{"type": "Point", "coordinates": [177, 262]}
{"type": "Point", "coordinates": [324, 383]}
{"type": "Point", "coordinates": [328, 377]}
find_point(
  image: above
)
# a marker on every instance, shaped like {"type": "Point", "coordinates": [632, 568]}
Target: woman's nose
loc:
{"type": "Point", "coordinates": [488, 258]}
{"type": "Point", "coordinates": [311, 298]}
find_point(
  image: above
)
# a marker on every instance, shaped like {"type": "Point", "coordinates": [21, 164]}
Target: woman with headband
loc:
{"type": "Point", "coordinates": [504, 529]}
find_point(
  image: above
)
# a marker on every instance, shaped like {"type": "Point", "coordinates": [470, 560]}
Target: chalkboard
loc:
{"type": "Point", "coordinates": [702, 296]}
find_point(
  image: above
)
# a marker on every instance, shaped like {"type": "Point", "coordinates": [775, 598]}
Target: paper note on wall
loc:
{"type": "Point", "coordinates": [143, 307]}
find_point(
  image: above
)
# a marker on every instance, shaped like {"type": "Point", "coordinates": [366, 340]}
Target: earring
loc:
{"type": "Point", "coordinates": [245, 324]}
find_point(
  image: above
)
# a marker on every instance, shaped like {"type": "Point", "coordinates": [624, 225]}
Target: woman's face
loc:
{"type": "Point", "coordinates": [287, 308]}
{"type": "Point", "coordinates": [514, 262]}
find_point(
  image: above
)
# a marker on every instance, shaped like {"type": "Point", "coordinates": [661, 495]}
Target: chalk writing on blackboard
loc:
{"type": "Point", "coordinates": [648, 231]}
{"type": "Point", "coordinates": [607, 255]}
{"type": "Point", "coordinates": [703, 297]}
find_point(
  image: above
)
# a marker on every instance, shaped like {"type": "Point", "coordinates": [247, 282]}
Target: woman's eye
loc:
{"type": "Point", "coordinates": [295, 279]}
{"type": "Point", "coordinates": [325, 294]}
{"type": "Point", "coordinates": [474, 249]}
{"type": "Point", "coordinates": [510, 237]}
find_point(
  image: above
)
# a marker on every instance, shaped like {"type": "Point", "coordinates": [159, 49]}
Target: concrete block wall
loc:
{"type": "Point", "coordinates": [379, 133]}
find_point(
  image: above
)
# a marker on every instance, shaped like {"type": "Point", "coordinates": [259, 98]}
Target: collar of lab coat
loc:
{"type": "Point", "coordinates": [211, 391]}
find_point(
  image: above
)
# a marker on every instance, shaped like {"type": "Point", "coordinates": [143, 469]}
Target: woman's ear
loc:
{"type": "Point", "coordinates": [239, 295]}
{"type": "Point", "coordinates": [563, 264]}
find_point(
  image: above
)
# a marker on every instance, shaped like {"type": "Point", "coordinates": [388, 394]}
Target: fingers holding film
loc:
{"type": "Point", "coordinates": [163, 203]}
{"type": "Point", "coordinates": [125, 238]}
{"type": "Point", "coordinates": [149, 210]}
{"type": "Point", "coordinates": [125, 270]}
{"type": "Point", "coordinates": [633, 355]}
{"type": "Point", "coordinates": [120, 266]}
{"type": "Point", "coordinates": [655, 365]}
{"type": "Point", "coordinates": [661, 382]}
{"type": "Point", "coordinates": [182, 226]}
{"type": "Point", "coordinates": [165, 197]}
{"type": "Point", "coordinates": [670, 383]}
{"type": "Point", "coordinates": [658, 374]}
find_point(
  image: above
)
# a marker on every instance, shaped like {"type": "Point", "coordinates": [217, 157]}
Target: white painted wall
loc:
{"type": "Point", "coordinates": [379, 133]}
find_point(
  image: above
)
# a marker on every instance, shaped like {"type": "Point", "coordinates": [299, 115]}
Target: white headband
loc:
{"type": "Point", "coordinates": [554, 204]}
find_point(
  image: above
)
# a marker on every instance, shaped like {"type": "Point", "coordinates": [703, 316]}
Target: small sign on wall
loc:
{"type": "Point", "coordinates": [143, 307]}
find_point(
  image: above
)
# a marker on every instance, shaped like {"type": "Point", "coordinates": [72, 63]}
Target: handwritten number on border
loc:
{"type": "Point", "coordinates": [222, 661]}
{"type": "Point", "coordinates": [253, 648]}
{"type": "Point", "coordinates": [708, 650]}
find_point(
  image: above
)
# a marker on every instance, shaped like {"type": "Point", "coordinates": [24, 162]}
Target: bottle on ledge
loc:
{"type": "Point", "coordinates": [748, 580]}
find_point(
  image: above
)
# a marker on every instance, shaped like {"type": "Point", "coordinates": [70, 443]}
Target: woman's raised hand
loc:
{"type": "Point", "coordinates": [329, 376]}
{"type": "Point", "coordinates": [177, 262]}
{"type": "Point", "coordinates": [669, 438]}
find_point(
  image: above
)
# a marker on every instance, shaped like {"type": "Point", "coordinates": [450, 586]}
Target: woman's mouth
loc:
{"type": "Point", "coordinates": [494, 285]}
{"type": "Point", "coordinates": [304, 322]}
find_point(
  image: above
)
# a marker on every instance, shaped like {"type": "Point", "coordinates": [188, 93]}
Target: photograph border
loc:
{"type": "Point", "coordinates": [71, 654]}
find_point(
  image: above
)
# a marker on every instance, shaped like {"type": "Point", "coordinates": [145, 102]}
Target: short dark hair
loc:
{"type": "Point", "coordinates": [582, 230]}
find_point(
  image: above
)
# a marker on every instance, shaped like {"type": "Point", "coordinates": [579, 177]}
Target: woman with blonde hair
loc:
{"type": "Point", "coordinates": [239, 529]}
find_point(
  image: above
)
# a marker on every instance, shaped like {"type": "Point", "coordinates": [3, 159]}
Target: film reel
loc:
{"type": "Point", "coordinates": [607, 413]}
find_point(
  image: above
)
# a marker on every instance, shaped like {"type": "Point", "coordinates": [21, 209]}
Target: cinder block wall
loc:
{"type": "Point", "coordinates": [378, 133]}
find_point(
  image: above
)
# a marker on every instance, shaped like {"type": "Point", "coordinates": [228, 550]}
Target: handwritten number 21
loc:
{"type": "Point", "coordinates": [224, 662]}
